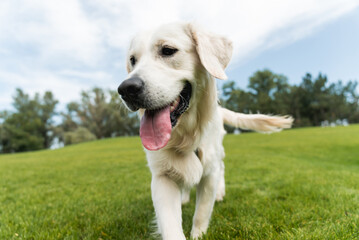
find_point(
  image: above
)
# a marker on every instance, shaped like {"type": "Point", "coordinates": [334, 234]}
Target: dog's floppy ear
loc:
{"type": "Point", "coordinates": [214, 51]}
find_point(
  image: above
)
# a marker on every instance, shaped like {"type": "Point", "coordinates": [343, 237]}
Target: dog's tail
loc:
{"type": "Point", "coordinates": [257, 122]}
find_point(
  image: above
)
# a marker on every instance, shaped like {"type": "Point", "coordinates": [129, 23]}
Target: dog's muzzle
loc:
{"type": "Point", "coordinates": [131, 91]}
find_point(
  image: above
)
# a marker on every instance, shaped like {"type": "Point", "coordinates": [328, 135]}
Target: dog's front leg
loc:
{"type": "Point", "coordinates": [205, 198]}
{"type": "Point", "coordinates": [166, 197]}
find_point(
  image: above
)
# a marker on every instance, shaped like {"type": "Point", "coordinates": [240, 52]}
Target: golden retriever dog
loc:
{"type": "Point", "coordinates": [171, 83]}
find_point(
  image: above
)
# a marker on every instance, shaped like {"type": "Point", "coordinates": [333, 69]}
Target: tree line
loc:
{"type": "Point", "coordinates": [311, 102]}
{"type": "Point", "coordinates": [35, 124]}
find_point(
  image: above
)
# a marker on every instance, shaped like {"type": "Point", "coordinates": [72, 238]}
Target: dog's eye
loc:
{"type": "Point", "coordinates": [133, 60]}
{"type": "Point", "coordinates": [168, 51]}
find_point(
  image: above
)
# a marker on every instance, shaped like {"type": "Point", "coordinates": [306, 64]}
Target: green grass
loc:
{"type": "Point", "coordinates": [298, 184]}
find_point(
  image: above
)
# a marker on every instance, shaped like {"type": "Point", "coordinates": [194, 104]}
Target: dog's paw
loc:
{"type": "Point", "coordinates": [220, 195]}
{"type": "Point", "coordinates": [196, 233]}
{"type": "Point", "coordinates": [219, 198]}
{"type": "Point", "coordinates": [185, 201]}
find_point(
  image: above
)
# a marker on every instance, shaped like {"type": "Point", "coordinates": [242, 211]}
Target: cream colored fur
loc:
{"type": "Point", "coordinates": [176, 168]}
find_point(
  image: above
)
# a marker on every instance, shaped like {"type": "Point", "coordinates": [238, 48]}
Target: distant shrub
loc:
{"type": "Point", "coordinates": [81, 134]}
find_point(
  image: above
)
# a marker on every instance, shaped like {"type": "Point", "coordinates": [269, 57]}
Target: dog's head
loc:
{"type": "Point", "coordinates": [163, 68]}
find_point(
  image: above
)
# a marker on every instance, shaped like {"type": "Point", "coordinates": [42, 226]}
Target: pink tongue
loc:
{"type": "Point", "coordinates": [155, 129]}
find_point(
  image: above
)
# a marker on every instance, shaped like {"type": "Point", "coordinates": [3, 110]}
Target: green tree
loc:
{"type": "Point", "coordinates": [68, 124]}
{"type": "Point", "coordinates": [310, 103]}
{"type": "Point", "coordinates": [267, 86]}
{"type": "Point", "coordinates": [99, 112]}
{"type": "Point", "coordinates": [237, 99]}
{"type": "Point", "coordinates": [122, 122]}
{"type": "Point", "coordinates": [343, 101]}
{"type": "Point", "coordinates": [103, 113]}
{"type": "Point", "coordinates": [30, 127]}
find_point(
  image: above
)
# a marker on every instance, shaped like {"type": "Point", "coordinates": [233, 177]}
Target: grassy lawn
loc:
{"type": "Point", "coordinates": [298, 184]}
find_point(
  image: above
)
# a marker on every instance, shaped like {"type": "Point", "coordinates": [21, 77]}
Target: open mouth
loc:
{"type": "Point", "coordinates": [180, 105]}
{"type": "Point", "coordinates": [156, 125]}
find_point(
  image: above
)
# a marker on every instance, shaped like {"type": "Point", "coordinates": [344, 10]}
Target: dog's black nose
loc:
{"type": "Point", "coordinates": [131, 87]}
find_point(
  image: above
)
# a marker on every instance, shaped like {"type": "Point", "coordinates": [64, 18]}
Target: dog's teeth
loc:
{"type": "Point", "coordinates": [174, 104]}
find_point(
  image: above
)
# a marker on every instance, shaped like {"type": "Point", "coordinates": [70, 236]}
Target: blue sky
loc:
{"type": "Point", "coordinates": [333, 49]}
{"type": "Point", "coordinates": [73, 45]}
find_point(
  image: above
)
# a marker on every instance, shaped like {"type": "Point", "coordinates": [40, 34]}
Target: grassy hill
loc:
{"type": "Point", "coordinates": [297, 184]}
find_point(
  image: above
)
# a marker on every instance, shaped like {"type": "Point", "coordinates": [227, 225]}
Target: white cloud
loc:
{"type": "Point", "coordinates": [257, 25]}
{"type": "Point", "coordinates": [252, 25]}
{"type": "Point", "coordinates": [93, 76]}
{"type": "Point", "coordinates": [65, 46]}
{"type": "Point", "coordinates": [64, 89]}
{"type": "Point", "coordinates": [82, 30]}
{"type": "Point", "coordinates": [53, 29]}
